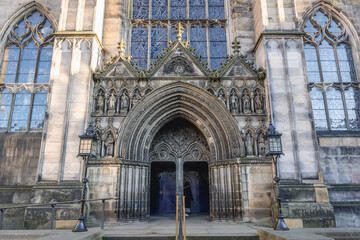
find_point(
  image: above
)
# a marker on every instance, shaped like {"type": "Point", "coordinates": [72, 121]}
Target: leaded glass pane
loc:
{"type": "Point", "coordinates": [158, 40]}
{"type": "Point", "coordinates": [43, 73]}
{"type": "Point", "coordinates": [216, 12]}
{"type": "Point", "coordinates": [139, 46]}
{"type": "Point", "coordinates": [159, 9]}
{"type": "Point", "coordinates": [318, 108]}
{"type": "Point", "coordinates": [197, 33]}
{"type": "Point", "coordinates": [352, 98]}
{"type": "Point", "coordinates": [178, 13]}
{"type": "Point", "coordinates": [38, 110]}
{"type": "Point", "coordinates": [200, 49]}
{"type": "Point", "coordinates": [310, 29]}
{"type": "Point", "coordinates": [35, 19]}
{"type": "Point", "coordinates": [141, 2]}
{"type": "Point", "coordinates": [197, 9]}
{"type": "Point", "coordinates": [217, 49]}
{"type": "Point", "coordinates": [5, 106]}
{"type": "Point", "coordinates": [312, 65]}
{"type": "Point", "coordinates": [20, 29]}
{"type": "Point", "coordinates": [217, 33]}
{"type": "Point", "coordinates": [336, 109]}
{"type": "Point", "coordinates": [328, 63]}
{"type": "Point", "coordinates": [20, 111]}
{"type": "Point", "coordinates": [46, 29]}
{"type": "Point", "coordinates": [334, 28]}
{"type": "Point", "coordinates": [139, 33]}
{"type": "Point", "coordinates": [156, 49]}
{"type": "Point", "coordinates": [321, 19]}
{"type": "Point", "coordinates": [9, 64]}
{"type": "Point", "coordinates": [141, 13]}
{"type": "Point", "coordinates": [198, 41]}
{"type": "Point", "coordinates": [346, 63]}
{"type": "Point", "coordinates": [139, 49]}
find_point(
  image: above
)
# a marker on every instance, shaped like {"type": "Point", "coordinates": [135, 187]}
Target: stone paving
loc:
{"type": "Point", "coordinates": [196, 226]}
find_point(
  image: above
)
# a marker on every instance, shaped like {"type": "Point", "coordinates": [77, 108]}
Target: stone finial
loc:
{"type": "Point", "coordinates": [236, 47]}
{"type": "Point", "coordinates": [179, 31]}
{"type": "Point", "coordinates": [121, 47]}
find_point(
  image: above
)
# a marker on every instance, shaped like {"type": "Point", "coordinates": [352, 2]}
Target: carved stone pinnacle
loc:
{"type": "Point", "coordinates": [179, 31]}
{"type": "Point", "coordinates": [236, 47]}
{"type": "Point", "coordinates": [122, 47]}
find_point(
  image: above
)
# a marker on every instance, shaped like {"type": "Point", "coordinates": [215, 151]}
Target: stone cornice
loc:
{"type": "Point", "coordinates": [79, 34]}
{"type": "Point", "coordinates": [276, 34]}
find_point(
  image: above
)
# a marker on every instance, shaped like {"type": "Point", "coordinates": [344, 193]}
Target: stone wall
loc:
{"type": "Point", "coordinates": [339, 163]}
{"type": "Point", "coordinates": [19, 156]}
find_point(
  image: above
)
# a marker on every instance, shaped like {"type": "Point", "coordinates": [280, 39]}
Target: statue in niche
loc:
{"type": "Point", "coordinates": [258, 102]}
{"type": "Point", "coordinates": [111, 103]}
{"type": "Point", "coordinates": [136, 98]}
{"type": "Point", "coordinates": [234, 103]}
{"type": "Point", "coordinates": [109, 145]}
{"type": "Point", "coordinates": [247, 102]}
{"type": "Point", "coordinates": [100, 104]}
{"type": "Point", "coordinates": [262, 146]}
{"type": "Point", "coordinates": [249, 145]}
{"type": "Point", "coordinates": [124, 103]}
{"type": "Point", "coordinates": [221, 97]}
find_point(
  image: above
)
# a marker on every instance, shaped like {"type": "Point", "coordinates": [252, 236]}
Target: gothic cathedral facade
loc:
{"type": "Point", "coordinates": [180, 94]}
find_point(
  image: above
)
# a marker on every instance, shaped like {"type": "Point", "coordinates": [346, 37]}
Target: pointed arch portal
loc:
{"type": "Point", "coordinates": [181, 106]}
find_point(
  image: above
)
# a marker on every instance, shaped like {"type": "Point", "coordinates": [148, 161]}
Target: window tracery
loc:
{"type": "Point", "coordinates": [24, 73]}
{"type": "Point", "coordinates": [331, 73]}
{"type": "Point", "coordinates": [154, 21]}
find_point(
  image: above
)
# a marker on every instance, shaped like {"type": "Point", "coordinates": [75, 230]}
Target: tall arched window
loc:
{"type": "Point", "coordinates": [331, 72]}
{"type": "Point", "coordinates": [24, 74]}
{"type": "Point", "coordinates": [154, 21]}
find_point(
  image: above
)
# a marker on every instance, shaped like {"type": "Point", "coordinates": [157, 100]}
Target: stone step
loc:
{"type": "Point", "coordinates": [114, 237]}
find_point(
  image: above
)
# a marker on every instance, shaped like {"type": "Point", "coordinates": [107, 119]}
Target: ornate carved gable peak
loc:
{"type": "Point", "coordinates": [240, 67]}
{"type": "Point", "coordinates": [179, 60]}
{"type": "Point", "coordinates": [118, 66]}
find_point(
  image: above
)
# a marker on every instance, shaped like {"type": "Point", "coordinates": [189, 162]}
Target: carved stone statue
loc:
{"type": "Point", "coordinates": [249, 145]}
{"type": "Point", "coordinates": [221, 97]}
{"type": "Point", "coordinates": [247, 102]}
{"type": "Point", "coordinates": [136, 98]}
{"type": "Point", "coordinates": [100, 104]}
{"type": "Point", "coordinates": [234, 104]}
{"type": "Point", "coordinates": [111, 103]}
{"type": "Point", "coordinates": [109, 145]}
{"type": "Point", "coordinates": [124, 103]}
{"type": "Point", "coordinates": [258, 102]}
{"type": "Point", "coordinates": [262, 147]}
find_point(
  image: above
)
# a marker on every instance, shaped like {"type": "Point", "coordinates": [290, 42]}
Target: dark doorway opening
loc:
{"type": "Point", "coordinates": [163, 188]}
{"type": "Point", "coordinates": [196, 178]}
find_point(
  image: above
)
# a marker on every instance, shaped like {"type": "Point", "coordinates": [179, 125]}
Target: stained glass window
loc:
{"type": "Point", "coordinates": [154, 24]}
{"type": "Point", "coordinates": [329, 63]}
{"type": "Point", "coordinates": [26, 65]}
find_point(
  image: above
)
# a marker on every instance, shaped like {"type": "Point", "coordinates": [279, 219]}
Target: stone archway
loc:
{"type": "Point", "coordinates": [180, 100]}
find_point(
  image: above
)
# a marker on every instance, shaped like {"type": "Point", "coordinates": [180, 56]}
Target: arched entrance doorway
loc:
{"type": "Point", "coordinates": [179, 156]}
{"type": "Point", "coordinates": [209, 117]}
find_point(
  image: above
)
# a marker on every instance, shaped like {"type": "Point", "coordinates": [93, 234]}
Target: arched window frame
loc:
{"type": "Point", "coordinates": [38, 91]}
{"type": "Point", "coordinates": [324, 117]}
{"type": "Point", "coordinates": [208, 22]}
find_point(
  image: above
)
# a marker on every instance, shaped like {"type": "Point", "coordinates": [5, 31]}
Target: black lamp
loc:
{"type": "Point", "coordinates": [86, 140]}
{"type": "Point", "coordinates": [85, 148]}
{"type": "Point", "coordinates": [275, 150]}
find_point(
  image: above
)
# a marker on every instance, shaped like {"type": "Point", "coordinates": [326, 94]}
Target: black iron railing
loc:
{"type": "Point", "coordinates": [53, 209]}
